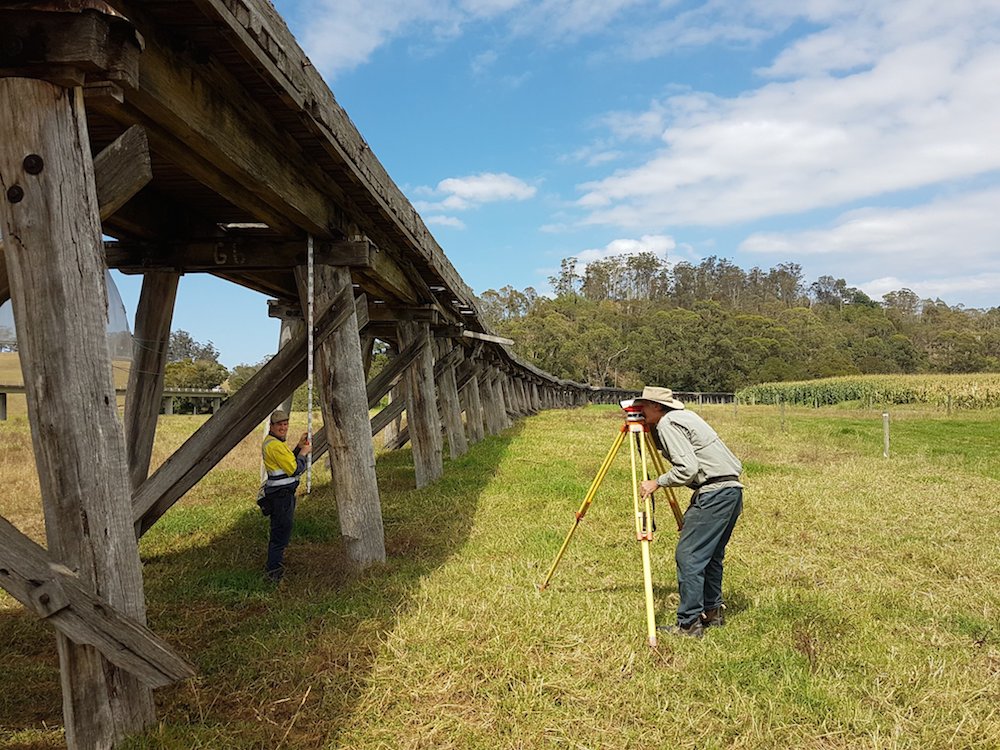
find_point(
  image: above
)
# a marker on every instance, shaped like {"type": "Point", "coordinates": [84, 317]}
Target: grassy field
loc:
{"type": "Point", "coordinates": [863, 602]}
{"type": "Point", "coordinates": [10, 374]}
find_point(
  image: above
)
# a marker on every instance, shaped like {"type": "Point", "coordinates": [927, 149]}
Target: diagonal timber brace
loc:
{"type": "Point", "coordinates": [238, 417]}
{"type": "Point", "coordinates": [56, 595]}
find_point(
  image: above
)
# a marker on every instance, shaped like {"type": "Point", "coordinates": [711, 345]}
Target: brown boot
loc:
{"type": "Point", "coordinates": [694, 630]}
{"type": "Point", "coordinates": [713, 618]}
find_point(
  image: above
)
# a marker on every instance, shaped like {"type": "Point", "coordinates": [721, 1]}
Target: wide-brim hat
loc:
{"type": "Point", "coordinates": [659, 395]}
{"type": "Point", "coordinates": [279, 416]}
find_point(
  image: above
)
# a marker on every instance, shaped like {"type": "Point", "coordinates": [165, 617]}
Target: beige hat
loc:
{"type": "Point", "coordinates": [663, 396]}
{"type": "Point", "coordinates": [279, 416]}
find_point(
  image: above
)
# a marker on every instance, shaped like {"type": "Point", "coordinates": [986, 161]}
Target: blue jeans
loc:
{"type": "Point", "coordinates": [708, 524]}
{"type": "Point", "coordinates": [282, 503]}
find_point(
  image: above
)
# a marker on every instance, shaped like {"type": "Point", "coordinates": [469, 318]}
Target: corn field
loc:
{"type": "Point", "coordinates": [971, 391]}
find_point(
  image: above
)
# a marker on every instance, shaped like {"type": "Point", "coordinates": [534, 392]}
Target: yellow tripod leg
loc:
{"type": "Point", "coordinates": [643, 530]}
{"type": "Point", "coordinates": [675, 507]}
{"type": "Point", "coordinates": [605, 466]}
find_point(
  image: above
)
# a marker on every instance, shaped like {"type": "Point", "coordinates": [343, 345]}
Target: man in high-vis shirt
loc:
{"type": "Point", "coordinates": [283, 468]}
{"type": "Point", "coordinates": [701, 461]}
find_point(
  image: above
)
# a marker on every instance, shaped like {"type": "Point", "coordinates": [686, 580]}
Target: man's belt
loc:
{"type": "Point", "coordinates": [716, 480]}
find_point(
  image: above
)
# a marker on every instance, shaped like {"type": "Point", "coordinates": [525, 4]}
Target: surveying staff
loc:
{"type": "Point", "coordinates": [283, 469]}
{"type": "Point", "coordinates": [701, 461]}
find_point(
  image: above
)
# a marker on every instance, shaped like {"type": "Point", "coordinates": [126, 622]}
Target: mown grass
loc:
{"type": "Point", "coordinates": [863, 610]}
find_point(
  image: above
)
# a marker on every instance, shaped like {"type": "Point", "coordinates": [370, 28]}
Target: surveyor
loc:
{"type": "Point", "coordinates": [701, 461]}
{"type": "Point", "coordinates": [283, 468]}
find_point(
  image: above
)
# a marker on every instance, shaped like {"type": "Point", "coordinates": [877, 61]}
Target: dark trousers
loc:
{"type": "Point", "coordinates": [708, 524]}
{"type": "Point", "coordinates": [282, 504]}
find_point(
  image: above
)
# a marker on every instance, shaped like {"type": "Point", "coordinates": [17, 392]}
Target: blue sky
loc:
{"type": "Point", "coordinates": [858, 139]}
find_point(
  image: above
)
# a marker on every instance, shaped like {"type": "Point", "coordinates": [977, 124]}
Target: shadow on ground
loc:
{"type": "Point", "coordinates": [278, 665]}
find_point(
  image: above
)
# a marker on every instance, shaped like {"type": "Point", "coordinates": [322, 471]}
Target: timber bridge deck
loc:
{"type": "Point", "coordinates": [197, 134]}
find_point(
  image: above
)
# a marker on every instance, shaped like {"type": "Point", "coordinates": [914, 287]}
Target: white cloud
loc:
{"type": "Point", "coordinates": [461, 193]}
{"type": "Point", "coordinates": [923, 112]}
{"type": "Point", "coordinates": [952, 245]}
{"type": "Point", "coordinates": [445, 221]}
{"type": "Point", "coordinates": [657, 244]}
{"type": "Point", "coordinates": [593, 155]}
{"type": "Point", "coordinates": [342, 34]}
{"type": "Point", "coordinates": [978, 286]}
{"type": "Point", "coordinates": [482, 62]}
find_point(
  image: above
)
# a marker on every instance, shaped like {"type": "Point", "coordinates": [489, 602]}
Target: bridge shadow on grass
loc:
{"type": "Point", "coordinates": [278, 665]}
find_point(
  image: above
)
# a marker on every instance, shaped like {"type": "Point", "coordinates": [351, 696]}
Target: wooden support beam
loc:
{"type": "Point", "coordinates": [391, 412]}
{"type": "Point", "coordinates": [202, 119]}
{"type": "Point", "coordinates": [58, 596]}
{"type": "Point", "coordinates": [367, 352]}
{"type": "Point", "coordinates": [69, 47]}
{"type": "Point", "coordinates": [477, 336]}
{"type": "Point", "coordinates": [378, 423]}
{"type": "Point", "coordinates": [382, 383]}
{"type": "Point", "coordinates": [4, 279]}
{"type": "Point", "coordinates": [451, 407]}
{"type": "Point", "coordinates": [122, 169]}
{"type": "Point", "coordinates": [145, 377]}
{"type": "Point", "coordinates": [231, 255]}
{"type": "Point", "coordinates": [237, 418]}
{"type": "Point", "coordinates": [536, 400]}
{"type": "Point", "coordinates": [345, 421]}
{"type": "Point", "coordinates": [394, 313]}
{"type": "Point", "coordinates": [473, 406]}
{"type": "Point", "coordinates": [54, 260]}
{"type": "Point", "coordinates": [263, 38]}
{"type": "Point", "coordinates": [421, 407]}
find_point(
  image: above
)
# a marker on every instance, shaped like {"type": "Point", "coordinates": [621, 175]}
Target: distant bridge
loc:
{"type": "Point", "coordinates": [210, 397]}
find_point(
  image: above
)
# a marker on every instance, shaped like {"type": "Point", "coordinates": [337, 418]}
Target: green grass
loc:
{"type": "Point", "coordinates": [863, 606]}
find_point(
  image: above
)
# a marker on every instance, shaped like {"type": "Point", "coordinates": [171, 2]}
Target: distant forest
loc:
{"type": "Point", "coordinates": [634, 319]}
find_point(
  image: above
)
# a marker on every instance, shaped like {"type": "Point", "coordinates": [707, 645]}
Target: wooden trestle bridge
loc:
{"type": "Point", "coordinates": [199, 136]}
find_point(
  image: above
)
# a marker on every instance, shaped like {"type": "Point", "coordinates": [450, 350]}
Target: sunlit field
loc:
{"type": "Point", "coordinates": [862, 595]}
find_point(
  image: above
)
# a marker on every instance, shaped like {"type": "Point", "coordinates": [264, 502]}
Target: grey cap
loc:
{"type": "Point", "coordinates": [279, 416]}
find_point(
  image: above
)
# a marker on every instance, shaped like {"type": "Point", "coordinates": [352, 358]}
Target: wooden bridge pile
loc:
{"type": "Point", "coordinates": [198, 135]}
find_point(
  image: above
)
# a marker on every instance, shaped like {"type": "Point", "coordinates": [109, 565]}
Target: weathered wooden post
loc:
{"type": "Point", "coordinates": [340, 370]}
{"type": "Point", "coordinates": [503, 417]}
{"type": "Point", "coordinates": [391, 430]}
{"type": "Point", "coordinates": [54, 252]}
{"type": "Point", "coordinates": [145, 378]}
{"type": "Point", "coordinates": [451, 408]}
{"type": "Point", "coordinates": [421, 405]}
{"type": "Point", "coordinates": [488, 395]}
{"type": "Point", "coordinates": [473, 405]}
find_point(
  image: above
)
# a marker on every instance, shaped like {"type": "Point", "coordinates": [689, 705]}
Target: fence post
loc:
{"type": "Point", "coordinates": [885, 434]}
{"type": "Point", "coordinates": [782, 415]}
{"type": "Point", "coordinates": [949, 404]}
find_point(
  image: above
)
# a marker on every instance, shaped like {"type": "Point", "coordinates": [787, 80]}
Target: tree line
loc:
{"type": "Point", "coordinates": [713, 326]}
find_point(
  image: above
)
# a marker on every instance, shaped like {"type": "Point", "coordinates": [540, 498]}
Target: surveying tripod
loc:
{"type": "Point", "coordinates": [641, 448]}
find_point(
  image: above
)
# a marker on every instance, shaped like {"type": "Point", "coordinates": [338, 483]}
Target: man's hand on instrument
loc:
{"type": "Point", "coordinates": [649, 486]}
